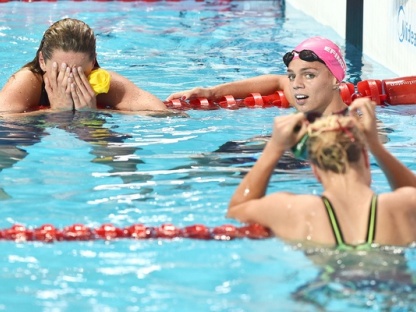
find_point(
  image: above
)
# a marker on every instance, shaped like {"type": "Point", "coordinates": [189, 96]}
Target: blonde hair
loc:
{"type": "Point", "coordinates": [69, 35]}
{"type": "Point", "coordinates": [335, 142]}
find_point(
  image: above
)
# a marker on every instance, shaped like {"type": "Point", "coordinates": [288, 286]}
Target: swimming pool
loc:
{"type": "Point", "coordinates": [96, 168]}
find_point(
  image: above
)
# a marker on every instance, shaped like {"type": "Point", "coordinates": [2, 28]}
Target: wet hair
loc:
{"type": "Point", "coordinates": [69, 35]}
{"type": "Point", "coordinates": [334, 143]}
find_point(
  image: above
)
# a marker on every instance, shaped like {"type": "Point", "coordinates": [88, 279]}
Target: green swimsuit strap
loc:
{"type": "Point", "coordinates": [334, 223]}
{"type": "Point", "coordinates": [371, 229]}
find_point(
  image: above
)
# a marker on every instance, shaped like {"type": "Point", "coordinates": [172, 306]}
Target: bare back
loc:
{"type": "Point", "coordinates": [305, 218]}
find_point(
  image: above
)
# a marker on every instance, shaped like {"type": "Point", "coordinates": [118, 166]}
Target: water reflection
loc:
{"type": "Point", "coordinates": [379, 278]}
{"type": "Point", "coordinates": [18, 133]}
{"type": "Point", "coordinates": [353, 57]}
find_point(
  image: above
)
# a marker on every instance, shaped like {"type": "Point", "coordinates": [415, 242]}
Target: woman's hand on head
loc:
{"type": "Point", "coordinates": [83, 95]}
{"type": "Point", "coordinates": [191, 94]}
{"type": "Point", "coordinates": [58, 87]}
{"type": "Point", "coordinates": [365, 111]}
{"type": "Point", "coordinates": [288, 130]}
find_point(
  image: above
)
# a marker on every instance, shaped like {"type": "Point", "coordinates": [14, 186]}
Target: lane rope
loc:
{"type": "Point", "coordinates": [397, 91]}
{"type": "Point", "coordinates": [80, 232]}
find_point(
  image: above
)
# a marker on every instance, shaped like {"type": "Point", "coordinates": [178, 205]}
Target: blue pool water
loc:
{"type": "Point", "coordinates": [98, 168]}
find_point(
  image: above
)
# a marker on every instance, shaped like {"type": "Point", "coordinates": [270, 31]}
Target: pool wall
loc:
{"type": "Point", "coordinates": [387, 31]}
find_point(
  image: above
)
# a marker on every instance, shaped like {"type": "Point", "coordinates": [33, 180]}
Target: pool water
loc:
{"type": "Point", "coordinates": [96, 168]}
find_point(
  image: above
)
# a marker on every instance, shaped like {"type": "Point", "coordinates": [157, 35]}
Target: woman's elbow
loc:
{"type": "Point", "coordinates": [237, 212]}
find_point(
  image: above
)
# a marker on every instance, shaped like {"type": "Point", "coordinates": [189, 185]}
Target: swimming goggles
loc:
{"type": "Point", "coordinates": [304, 55]}
{"type": "Point", "coordinates": [300, 149]}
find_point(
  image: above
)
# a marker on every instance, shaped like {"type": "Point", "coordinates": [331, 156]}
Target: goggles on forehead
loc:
{"type": "Point", "coordinates": [304, 55]}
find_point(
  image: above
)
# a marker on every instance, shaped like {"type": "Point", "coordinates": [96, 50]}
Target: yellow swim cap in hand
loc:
{"type": "Point", "coordinates": [100, 80]}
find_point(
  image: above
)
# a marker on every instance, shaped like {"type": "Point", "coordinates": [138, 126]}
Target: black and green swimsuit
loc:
{"type": "Point", "coordinates": [337, 230]}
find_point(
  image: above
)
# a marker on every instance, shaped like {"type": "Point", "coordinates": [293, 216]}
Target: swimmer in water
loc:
{"type": "Point", "coordinates": [65, 75]}
{"type": "Point", "coordinates": [348, 214]}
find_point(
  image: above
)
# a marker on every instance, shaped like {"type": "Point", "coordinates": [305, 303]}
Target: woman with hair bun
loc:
{"type": "Point", "coordinates": [348, 214]}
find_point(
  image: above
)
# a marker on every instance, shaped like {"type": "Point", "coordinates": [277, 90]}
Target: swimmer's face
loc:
{"type": "Point", "coordinates": [70, 59]}
{"type": "Point", "coordinates": [312, 85]}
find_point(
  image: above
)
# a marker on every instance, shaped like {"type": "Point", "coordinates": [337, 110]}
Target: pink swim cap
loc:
{"type": "Point", "coordinates": [328, 52]}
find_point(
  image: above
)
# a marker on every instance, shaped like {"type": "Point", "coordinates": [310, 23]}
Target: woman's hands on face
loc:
{"type": "Point", "coordinates": [58, 87]}
{"type": "Point", "coordinates": [83, 95]}
{"type": "Point", "coordinates": [69, 89]}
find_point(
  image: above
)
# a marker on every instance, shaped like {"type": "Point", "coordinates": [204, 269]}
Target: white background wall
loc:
{"type": "Point", "coordinates": [389, 29]}
{"type": "Point", "coordinates": [327, 12]}
{"type": "Point", "coordinates": [385, 23]}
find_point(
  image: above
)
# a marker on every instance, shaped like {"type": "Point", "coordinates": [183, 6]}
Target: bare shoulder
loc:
{"type": "Point", "coordinates": [120, 83]}
{"type": "Point", "coordinates": [295, 205]}
{"type": "Point", "coordinates": [21, 92]}
{"type": "Point", "coordinates": [23, 76]}
{"type": "Point", "coordinates": [292, 216]}
{"type": "Point", "coordinates": [296, 197]}
{"type": "Point", "coordinates": [125, 95]}
{"type": "Point", "coordinates": [396, 216]}
{"type": "Point", "coordinates": [403, 198]}
{"type": "Point", "coordinates": [118, 77]}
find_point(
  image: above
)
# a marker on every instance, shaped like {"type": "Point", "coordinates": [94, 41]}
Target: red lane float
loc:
{"type": "Point", "coordinates": [400, 90]}
{"type": "Point", "coordinates": [255, 100]}
{"type": "Point", "coordinates": [396, 91]}
{"type": "Point", "coordinates": [79, 232]}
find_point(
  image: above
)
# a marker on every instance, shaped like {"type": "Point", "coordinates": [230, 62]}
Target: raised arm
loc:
{"type": "Point", "coordinates": [264, 84]}
{"type": "Point", "coordinates": [396, 172]}
{"type": "Point", "coordinates": [255, 183]}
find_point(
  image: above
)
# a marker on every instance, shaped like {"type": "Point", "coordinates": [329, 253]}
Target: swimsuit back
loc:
{"type": "Point", "coordinates": [371, 230]}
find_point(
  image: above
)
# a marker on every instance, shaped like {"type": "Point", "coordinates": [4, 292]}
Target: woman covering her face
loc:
{"type": "Point", "coordinates": [65, 75]}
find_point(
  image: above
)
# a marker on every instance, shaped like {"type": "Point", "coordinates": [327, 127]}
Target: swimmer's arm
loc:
{"type": "Point", "coordinates": [285, 214]}
{"type": "Point", "coordinates": [395, 171]}
{"type": "Point", "coordinates": [164, 113]}
{"type": "Point", "coordinates": [21, 93]}
{"type": "Point", "coordinates": [124, 95]}
{"type": "Point", "coordinates": [264, 210]}
{"type": "Point", "coordinates": [8, 116]}
{"type": "Point", "coordinates": [264, 84]}
{"type": "Point", "coordinates": [254, 184]}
